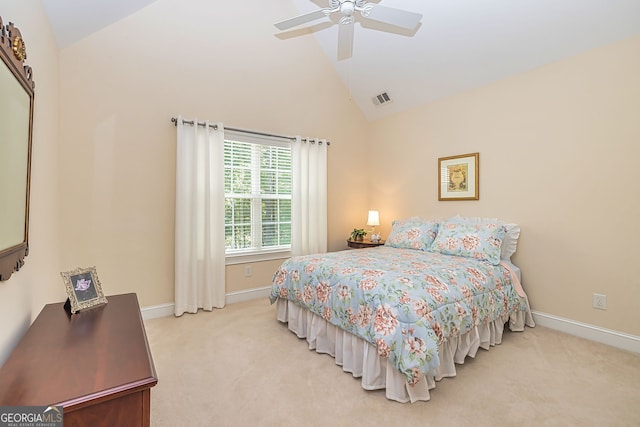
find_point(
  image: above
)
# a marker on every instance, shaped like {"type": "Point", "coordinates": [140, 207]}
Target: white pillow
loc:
{"type": "Point", "coordinates": [510, 241]}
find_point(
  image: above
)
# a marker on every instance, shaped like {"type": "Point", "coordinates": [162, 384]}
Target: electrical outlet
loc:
{"type": "Point", "coordinates": [248, 271]}
{"type": "Point", "coordinates": [600, 301]}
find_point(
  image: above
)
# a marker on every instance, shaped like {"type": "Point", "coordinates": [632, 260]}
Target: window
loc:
{"type": "Point", "coordinates": [257, 186]}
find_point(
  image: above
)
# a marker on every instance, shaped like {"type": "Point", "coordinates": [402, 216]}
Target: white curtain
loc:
{"type": "Point", "coordinates": [199, 233]}
{"type": "Point", "coordinates": [309, 196]}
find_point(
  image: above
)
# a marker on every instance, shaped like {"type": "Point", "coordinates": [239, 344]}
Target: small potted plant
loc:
{"type": "Point", "coordinates": [358, 234]}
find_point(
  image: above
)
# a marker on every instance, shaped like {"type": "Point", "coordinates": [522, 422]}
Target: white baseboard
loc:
{"type": "Point", "coordinates": [155, 311]}
{"type": "Point", "coordinates": [248, 295]}
{"type": "Point", "coordinates": [163, 310]}
{"type": "Point", "coordinates": [590, 332]}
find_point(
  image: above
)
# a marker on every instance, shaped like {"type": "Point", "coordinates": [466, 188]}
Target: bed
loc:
{"type": "Point", "coordinates": [401, 315]}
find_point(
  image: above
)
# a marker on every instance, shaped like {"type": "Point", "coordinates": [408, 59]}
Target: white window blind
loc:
{"type": "Point", "coordinates": [257, 175]}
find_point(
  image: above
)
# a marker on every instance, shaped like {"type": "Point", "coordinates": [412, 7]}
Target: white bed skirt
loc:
{"type": "Point", "coordinates": [361, 358]}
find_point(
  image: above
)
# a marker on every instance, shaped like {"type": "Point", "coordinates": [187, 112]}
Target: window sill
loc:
{"type": "Point", "coordinates": [255, 256]}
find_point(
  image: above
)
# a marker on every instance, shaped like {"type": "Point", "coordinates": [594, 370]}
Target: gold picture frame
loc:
{"type": "Point", "coordinates": [83, 288]}
{"type": "Point", "coordinates": [458, 177]}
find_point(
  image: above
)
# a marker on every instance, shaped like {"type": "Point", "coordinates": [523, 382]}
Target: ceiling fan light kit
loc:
{"type": "Point", "coordinates": [347, 9]}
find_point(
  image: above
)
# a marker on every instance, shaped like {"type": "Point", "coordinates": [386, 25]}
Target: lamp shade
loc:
{"type": "Point", "coordinates": [374, 218]}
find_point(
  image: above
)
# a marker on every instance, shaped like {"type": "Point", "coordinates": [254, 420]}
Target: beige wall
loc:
{"type": "Point", "coordinates": [121, 86]}
{"type": "Point", "coordinates": [559, 149]}
{"type": "Point", "coordinates": [259, 275]}
{"type": "Point", "coordinates": [38, 282]}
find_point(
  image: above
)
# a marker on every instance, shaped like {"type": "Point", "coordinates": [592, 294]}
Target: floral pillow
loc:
{"type": "Point", "coordinates": [412, 233]}
{"type": "Point", "coordinates": [481, 241]}
{"type": "Point", "coordinates": [510, 242]}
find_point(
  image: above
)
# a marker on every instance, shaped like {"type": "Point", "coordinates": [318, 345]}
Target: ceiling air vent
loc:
{"type": "Point", "coordinates": [381, 99]}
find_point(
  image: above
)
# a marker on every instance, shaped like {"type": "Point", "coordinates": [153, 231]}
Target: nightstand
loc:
{"type": "Point", "coordinates": [360, 244]}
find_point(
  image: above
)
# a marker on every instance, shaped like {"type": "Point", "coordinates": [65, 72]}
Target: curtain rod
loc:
{"type": "Point", "coordinates": [174, 120]}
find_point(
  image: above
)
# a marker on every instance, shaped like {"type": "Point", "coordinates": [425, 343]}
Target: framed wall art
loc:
{"type": "Point", "coordinates": [83, 288]}
{"type": "Point", "coordinates": [458, 177]}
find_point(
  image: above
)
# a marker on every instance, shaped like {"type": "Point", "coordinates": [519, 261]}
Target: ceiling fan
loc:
{"type": "Point", "coordinates": [347, 9]}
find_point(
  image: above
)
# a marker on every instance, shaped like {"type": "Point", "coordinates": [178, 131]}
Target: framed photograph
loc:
{"type": "Point", "coordinates": [458, 177]}
{"type": "Point", "coordinates": [83, 288]}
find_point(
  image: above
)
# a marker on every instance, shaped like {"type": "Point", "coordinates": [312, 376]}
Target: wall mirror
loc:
{"type": "Point", "coordinates": [16, 124]}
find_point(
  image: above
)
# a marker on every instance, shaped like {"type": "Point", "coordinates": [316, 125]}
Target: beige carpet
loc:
{"type": "Point", "coordinates": [239, 366]}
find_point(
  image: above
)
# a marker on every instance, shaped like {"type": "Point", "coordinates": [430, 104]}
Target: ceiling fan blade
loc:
{"type": "Point", "coordinates": [390, 15]}
{"type": "Point", "coordinates": [302, 19]}
{"type": "Point", "coordinates": [345, 40]}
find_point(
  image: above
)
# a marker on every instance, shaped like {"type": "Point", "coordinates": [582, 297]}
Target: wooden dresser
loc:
{"type": "Point", "coordinates": [95, 363]}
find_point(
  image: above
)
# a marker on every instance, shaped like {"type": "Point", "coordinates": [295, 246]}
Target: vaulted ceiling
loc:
{"type": "Point", "coordinates": [459, 44]}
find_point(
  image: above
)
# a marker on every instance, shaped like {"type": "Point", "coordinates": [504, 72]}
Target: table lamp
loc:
{"type": "Point", "coordinates": [374, 220]}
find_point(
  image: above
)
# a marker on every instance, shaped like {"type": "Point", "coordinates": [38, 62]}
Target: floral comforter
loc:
{"type": "Point", "coordinates": [403, 301]}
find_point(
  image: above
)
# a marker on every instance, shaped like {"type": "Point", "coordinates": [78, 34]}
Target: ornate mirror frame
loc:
{"type": "Point", "coordinates": [16, 127]}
